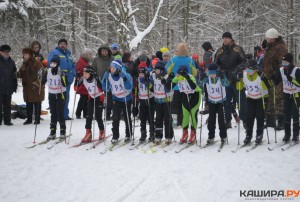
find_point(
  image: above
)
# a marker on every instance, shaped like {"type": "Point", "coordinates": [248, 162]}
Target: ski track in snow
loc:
{"type": "Point", "coordinates": [74, 174]}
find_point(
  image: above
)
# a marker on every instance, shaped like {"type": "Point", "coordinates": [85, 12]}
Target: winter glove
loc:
{"type": "Point", "coordinates": [239, 76]}
{"type": "Point", "coordinates": [147, 76]}
{"type": "Point", "coordinates": [105, 76]}
{"type": "Point", "coordinates": [135, 111]}
{"type": "Point", "coordinates": [35, 86]}
{"type": "Point", "coordinates": [287, 74]}
{"type": "Point", "coordinates": [220, 74]}
{"type": "Point", "coordinates": [78, 75]}
{"type": "Point", "coordinates": [163, 81]}
{"type": "Point", "coordinates": [202, 76]}
{"type": "Point", "coordinates": [171, 76]}
{"type": "Point", "coordinates": [122, 75]}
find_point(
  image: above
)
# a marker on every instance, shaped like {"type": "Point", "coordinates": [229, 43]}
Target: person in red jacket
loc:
{"type": "Point", "coordinates": [93, 85]}
{"type": "Point", "coordinates": [85, 58]}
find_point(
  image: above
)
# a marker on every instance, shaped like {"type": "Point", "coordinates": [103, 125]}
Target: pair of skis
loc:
{"type": "Point", "coordinates": [284, 146]}
{"type": "Point", "coordinates": [56, 141]}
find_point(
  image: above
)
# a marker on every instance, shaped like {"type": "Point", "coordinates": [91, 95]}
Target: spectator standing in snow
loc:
{"type": "Point", "coordinates": [67, 65]}
{"type": "Point", "coordinates": [101, 64]}
{"type": "Point", "coordinates": [231, 59]}
{"type": "Point", "coordinates": [271, 61]}
{"type": "Point", "coordinates": [33, 90]}
{"type": "Point", "coordinates": [8, 84]}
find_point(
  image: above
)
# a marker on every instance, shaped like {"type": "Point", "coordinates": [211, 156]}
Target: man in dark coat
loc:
{"type": "Point", "coordinates": [8, 83]}
{"type": "Point", "coordinates": [231, 59]}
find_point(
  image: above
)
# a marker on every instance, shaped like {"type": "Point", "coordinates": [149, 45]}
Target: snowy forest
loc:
{"type": "Point", "coordinates": [146, 25]}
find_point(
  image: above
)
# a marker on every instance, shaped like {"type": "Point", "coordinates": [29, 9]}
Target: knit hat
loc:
{"type": "Point", "coordinates": [166, 54]}
{"type": "Point", "coordinates": [288, 57]}
{"type": "Point", "coordinates": [195, 57]}
{"type": "Point", "coordinates": [56, 59]}
{"type": "Point", "coordinates": [87, 51]}
{"type": "Point", "coordinates": [143, 57]}
{"type": "Point", "coordinates": [212, 68]}
{"type": "Point", "coordinates": [142, 65]}
{"type": "Point", "coordinates": [27, 51]}
{"type": "Point", "coordinates": [89, 69]}
{"type": "Point", "coordinates": [252, 64]}
{"type": "Point", "coordinates": [118, 57]}
{"type": "Point", "coordinates": [181, 69]}
{"type": "Point", "coordinates": [114, 46]}
{"type": "Point", "coordinates": [5, 47]}
{"type": "Point", "coordinates": [62, 40]}
{"type": "Point", "coordinates": [116, 65]}
{"type": "Point", "coordinates": [207, 45]}
{"type": "Point", "coordinates": [160, 65]}
{"type": "Point", "coordinates": [227, 35]}
{"type": "Point", "coordinates": [272, 34]}
{"type": "Point", "coordinates": [158, 54]}
{"type": "Point", "coordinates": [164, 49]}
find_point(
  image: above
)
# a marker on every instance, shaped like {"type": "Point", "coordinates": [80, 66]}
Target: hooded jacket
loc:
{"type": "Point", "coordinates": [101, 63]}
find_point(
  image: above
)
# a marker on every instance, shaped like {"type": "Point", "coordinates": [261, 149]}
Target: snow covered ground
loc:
{"type": "Point", "coordinates": [74, 174]}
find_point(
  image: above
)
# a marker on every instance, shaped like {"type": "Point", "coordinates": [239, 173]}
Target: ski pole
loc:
{"type": "Point", "coordinates": [274, 101]}
{"type": "Point", "coordinates": [128, 122]}
{"type": "Point", "coordinates": [105, 111]}
{"type": "Point", "coordinates": [239, 109]}
{"type": "Point", "coordinates": [135, 104]}
{"type": "Point", "coordinates": [67, 142]}
{"type": "Point", "coordinates": [223, 108]}
{"type": "Point", "coordinates": [169, 109]}
{"type": "Point", "coordinates": [264, 108]}
{"type": "Point", "coordinates": [94, 110]}
{"type": "Point", "coordinates": [201, 118]}
{"type": "Point", "coordinates": [149, 111]}
{"type": "Point", "coordinates": [37, 114]}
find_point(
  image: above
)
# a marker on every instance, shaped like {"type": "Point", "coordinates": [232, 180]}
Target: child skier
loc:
{"type": "Point", "coordinates": [191, 99]}
{"type": "Point", "coordinates": [57, 82]}
{"type": "Point", "coordinates": [120, 84]}
{"type": "Point", "coordinates": [257, 85]}
{"type": "Point", "coordinates": [162, 98]}
{"type": "Point", "coordinates": [146, 103]}
{"type": "Point", "coordinates": [96, 97]}
{"type": "Point", "coordinates": [215, 84]}
{"type": "Point", "coordinates": [290, 76]}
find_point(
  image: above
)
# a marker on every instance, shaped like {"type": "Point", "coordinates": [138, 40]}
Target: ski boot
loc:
{"type": "Point", "coordinates": [258, 139]}
{"type": "Point", "coordinates": [127, 139]}
{"type": "Point", "coordinates": [223, 140]}
{"type": "Point", "coordinates": [192, 137]}
{"type": "Point", "coordinates": [143, 136]}
{"type": "Point", "coordinates": [184, 137]}
{"type": "Point", "coordinates": [88, 136]}
{"type": "Point", "coordinates": [114, 141]}
{"type": "Point", "coordinates": [168, 140]}
{"type": "Point", "coordinates": [62, 132]}
{"type": "Point", "coordinates": [210, 140]}
{"type": "Point", "coordinates": [295, 138]}
{"type": "Point", "coordinates": [52, 135]}
{"type": "Point", "coordinates": [101, 135]}
{"type": "Point", "coordinates": [287, 132]}
{"type": "Point", "coordinates": [247, 140]}
{"type": "Point", "coordinates": [157, 140]}
{"type": "Point", "coordinates": [27, 122]}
